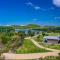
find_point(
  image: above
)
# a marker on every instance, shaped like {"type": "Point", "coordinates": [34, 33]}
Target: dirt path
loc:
{"type": "Point", "coordinates": [9, 56]}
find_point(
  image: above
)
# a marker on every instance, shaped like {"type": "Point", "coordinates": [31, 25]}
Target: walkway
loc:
{"type": "Point", "coordinates": [11, 56]}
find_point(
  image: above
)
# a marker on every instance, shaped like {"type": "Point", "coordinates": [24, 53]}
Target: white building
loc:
{"type": "Point", "coordinates": [52, 39]}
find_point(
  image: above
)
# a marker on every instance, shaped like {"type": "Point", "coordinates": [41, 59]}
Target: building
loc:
{"type": "Point", "coordinates": [26, 31]}
{"type": "Point", "coordinates": [17, 30]}
{"type": "Point", "coordinates": [52, 39]}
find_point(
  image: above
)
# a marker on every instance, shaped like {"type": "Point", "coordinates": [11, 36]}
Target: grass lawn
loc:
{"type": "Point", "coordinates": [53, 46]}
{"type": "Point", "coordinates": [29, 47]}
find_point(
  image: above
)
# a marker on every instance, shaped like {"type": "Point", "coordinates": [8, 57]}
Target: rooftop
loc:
{"type": "Point", "coordinates": [52, 37]}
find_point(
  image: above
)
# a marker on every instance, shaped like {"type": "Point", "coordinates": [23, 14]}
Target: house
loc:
{"type": "Point", "coordinates": [52, 39]}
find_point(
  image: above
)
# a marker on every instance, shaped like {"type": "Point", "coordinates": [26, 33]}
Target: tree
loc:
{"type": "Point", "coordinates": [32, 26]}
{"type": "Point", "coordinates": [58, 57]}
{"type": "Point", "coordinates": [5, 39]}
{"type": "Point", "coordinates": [31, 33]}
{"type": "Point", "coordinates": [22, 35]}
{"type": "Point", "coordinates": [43, 33]}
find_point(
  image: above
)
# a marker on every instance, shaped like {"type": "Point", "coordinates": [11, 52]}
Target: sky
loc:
{"type": "Point", "coordinates": [23, 12]}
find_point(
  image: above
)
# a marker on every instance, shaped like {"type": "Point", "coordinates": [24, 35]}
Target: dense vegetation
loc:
{"type": "Point", "coordinates": [10, 40]}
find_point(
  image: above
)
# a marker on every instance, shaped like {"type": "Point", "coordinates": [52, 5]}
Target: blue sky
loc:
{"type": "Point", "coordinates": [23, 12]}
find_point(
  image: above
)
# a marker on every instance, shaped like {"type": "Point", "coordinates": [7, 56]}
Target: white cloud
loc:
{"type": "Point", "coordinates": [35, 19]}
{"type": "Point", "coordinates": [56, 3]}
{"type": "Point", "coordinates": [29, 3]}
{"type": "Point", "coordinates": [36, 7]}
{"type": "Point", "coordinates": [57, 17]}
{"type": "Point", "coordinates": [50, 8]}
{"type": "Point", "coordinates": [33, 5]}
